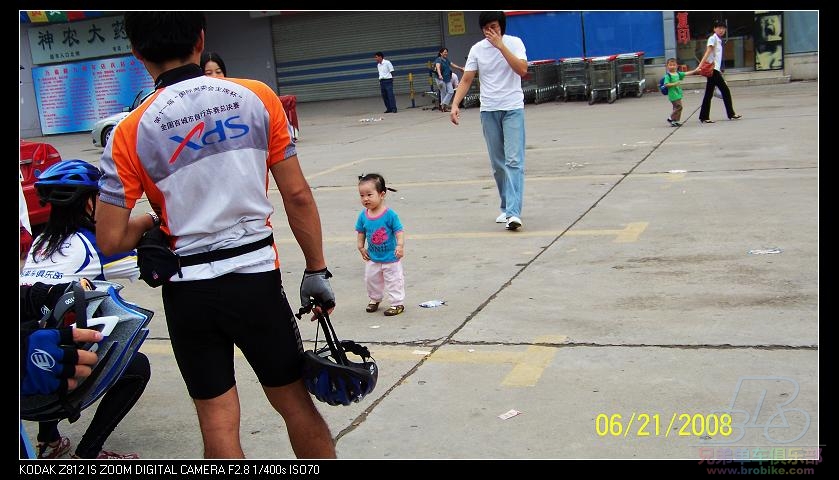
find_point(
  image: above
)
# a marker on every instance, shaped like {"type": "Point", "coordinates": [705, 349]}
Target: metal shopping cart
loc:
{"type": "Point", "coordinates": [528, 84]}
{"type": "Point", "coordinates": [602, 73]}
{"type": "Point", "coordinates": [575, 78]}
{"type": "Point", "coordinates": [630, 72]}
{"type": "Point", "coordinates": [560, 95]}
{"type": "Point", "coordinates": [547, 79]}
{"type": "Point", "coordinates": [473, 95]}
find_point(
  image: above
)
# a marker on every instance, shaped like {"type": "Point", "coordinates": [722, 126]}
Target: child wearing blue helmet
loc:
{"type": "Point", "coordinates": [65, 251]}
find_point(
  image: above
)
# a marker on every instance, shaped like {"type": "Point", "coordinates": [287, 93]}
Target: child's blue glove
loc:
{"type": "Point", "coordinates": [51, 359]}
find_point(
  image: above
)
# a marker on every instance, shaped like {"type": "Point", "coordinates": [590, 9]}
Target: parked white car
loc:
{"type": "Point", "coordinates": [102, 129]}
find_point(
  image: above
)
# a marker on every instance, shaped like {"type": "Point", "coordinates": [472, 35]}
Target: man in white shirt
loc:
{"type": "Point", "coordinates": [502, 62]}
{"type": "Point", "coordinates": [386, 82]}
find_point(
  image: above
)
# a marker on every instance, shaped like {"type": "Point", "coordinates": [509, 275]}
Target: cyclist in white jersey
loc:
{"type": "Point", "coordinates": [203, 150]}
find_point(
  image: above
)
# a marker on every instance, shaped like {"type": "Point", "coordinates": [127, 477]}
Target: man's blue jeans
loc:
{"type": "Point", "coordinates": [387, 94]}
{"type": "Point", "coordinates": [504, 135]}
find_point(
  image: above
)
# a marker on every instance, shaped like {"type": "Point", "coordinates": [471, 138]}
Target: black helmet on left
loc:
{"type": "Point", "coordinates": [66, 181]}
{"type": "Point", "coordinates": [125, 330]}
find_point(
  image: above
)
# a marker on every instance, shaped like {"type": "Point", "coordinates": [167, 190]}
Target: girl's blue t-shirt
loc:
{"type": "Point", "coordinates": [381, 234]}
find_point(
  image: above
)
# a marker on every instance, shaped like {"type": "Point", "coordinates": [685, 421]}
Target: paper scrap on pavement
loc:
{"type": "Point", "coordinates": [510, 414]}
{"type": "Point", "coordinates": [421, 352]}
{"type": "Point", "coordinates": [765, 251]}
{"type": "Point", "coordinates": [432, 303]}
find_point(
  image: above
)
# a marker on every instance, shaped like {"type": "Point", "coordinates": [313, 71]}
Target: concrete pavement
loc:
{"type": "Point", "coordinates": [639, 286]}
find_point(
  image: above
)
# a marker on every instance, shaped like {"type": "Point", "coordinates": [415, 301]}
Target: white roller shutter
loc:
{"type": "Point", "coordinates": [329, 55]}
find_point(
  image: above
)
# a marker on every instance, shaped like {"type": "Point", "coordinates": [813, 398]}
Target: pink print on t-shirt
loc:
{"type": "Point", "coordinates": [379, 236]}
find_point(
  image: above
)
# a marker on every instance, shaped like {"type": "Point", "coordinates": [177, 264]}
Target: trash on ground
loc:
{"type": "Point", "coordinates": [765, 251]}
{"type": "Point", "coordinates": [510, 414]}
{"type": "Point", "coordinates": [421, 352]}
{"type": "Point", "coordinates": [367, 120]}
{"type": "Point", "coordinates": [375, 326]}
{"type": "Point", "coordinates": [432, 303]}
{"type": "Point", "coordinates": [677, 171]}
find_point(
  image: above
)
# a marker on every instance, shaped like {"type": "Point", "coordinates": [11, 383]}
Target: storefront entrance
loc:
{"type": "Point", "coordinates": [694, 28]}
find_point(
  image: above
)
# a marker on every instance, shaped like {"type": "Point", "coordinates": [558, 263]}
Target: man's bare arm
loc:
{"type": "Point", "coordinates": [301, 210]}
{"type": "Point", "coordinates": [115, 231]}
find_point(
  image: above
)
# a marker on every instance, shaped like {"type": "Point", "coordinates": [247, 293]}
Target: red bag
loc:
{"type": "Point", "coordinates": [706, 69]}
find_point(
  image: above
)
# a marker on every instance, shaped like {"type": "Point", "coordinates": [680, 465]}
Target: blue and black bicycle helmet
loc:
{"type": "Point", "coordinates": [66, 181]}
{"type": "Point", "coordinates": [79, 305]}
{"type": "Point", "coordinates": [330, 376]}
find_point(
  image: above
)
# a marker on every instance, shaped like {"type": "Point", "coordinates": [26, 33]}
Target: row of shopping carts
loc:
{"type": "Point", "coordinates": [593, 78]}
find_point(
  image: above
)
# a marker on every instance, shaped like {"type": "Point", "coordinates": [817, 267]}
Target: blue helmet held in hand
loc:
{"type": "Point", "coordinates": [126, 330]}
{"type": "Point", "coordinates": [330, 376]}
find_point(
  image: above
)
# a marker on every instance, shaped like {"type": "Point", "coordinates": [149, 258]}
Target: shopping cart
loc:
{"type": "Point", "coordinates": [528, 84]}
{"type": "Point", "coordinates": [575, 79]}
{"type": "Point", "coordinates": [602, 74]}
{"type": "Point", "coordinates": [544, 75]}
{"type": "Point", "coordinates": [560, 91]}
{"type": "Point", "coordinates": [630, 71]}
{"type": "Point", "coordinates": [473, 95]}
{"type": "Point", "coordinates": [547, 80]}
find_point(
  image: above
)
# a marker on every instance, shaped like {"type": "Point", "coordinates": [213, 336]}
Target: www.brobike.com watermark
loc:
{"type": "Point", "coordinates": [763, 404]}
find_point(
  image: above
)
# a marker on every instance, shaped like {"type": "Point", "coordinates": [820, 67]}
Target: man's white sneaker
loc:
{"type": "Point", "coordinates": [501, 218]}
{"type": "Point", "coordinates": [513, 223]}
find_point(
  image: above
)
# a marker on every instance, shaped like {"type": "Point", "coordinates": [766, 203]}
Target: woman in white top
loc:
{"type": "Point", "coordinates": [713, 53]}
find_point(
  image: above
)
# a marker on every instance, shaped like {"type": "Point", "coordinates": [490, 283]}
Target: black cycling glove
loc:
{"type": "Point", "coordinates": [315, 285]}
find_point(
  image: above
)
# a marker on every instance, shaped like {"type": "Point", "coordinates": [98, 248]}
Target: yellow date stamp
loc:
{"type": "Point", "coordinates": [653, 425]}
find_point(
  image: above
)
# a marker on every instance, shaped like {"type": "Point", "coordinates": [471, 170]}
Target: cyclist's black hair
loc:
{"type": "Point", "coordinates": [162, 36]}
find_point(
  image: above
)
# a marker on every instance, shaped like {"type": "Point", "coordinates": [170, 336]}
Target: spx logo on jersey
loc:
{"type": "Point", "coordinates": [196, 141]}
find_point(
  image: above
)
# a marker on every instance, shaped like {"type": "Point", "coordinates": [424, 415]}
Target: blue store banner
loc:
{"type": "Point", "coordinates": [71, 97]}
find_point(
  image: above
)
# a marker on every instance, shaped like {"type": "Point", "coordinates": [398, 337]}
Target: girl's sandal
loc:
{"type": "Point", "coordinates": [394, 310]}
{"type": "Point", "coordinates": [372, 307]}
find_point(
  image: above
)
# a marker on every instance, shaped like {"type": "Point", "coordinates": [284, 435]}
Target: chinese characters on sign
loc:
{"type": "Point", "coordinates": [682, 28]}
{"type": "Point", "coordinates": [64, 42]}
{"type": "Point", "coordinates": [457, 23]}
{"type": "Point", "coordinates": [71, 97]}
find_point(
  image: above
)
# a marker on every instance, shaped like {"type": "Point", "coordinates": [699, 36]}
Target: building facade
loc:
{"type": "Point", "coordinates": [322, 55]}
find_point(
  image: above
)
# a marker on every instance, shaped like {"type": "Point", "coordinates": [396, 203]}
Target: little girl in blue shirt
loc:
{"type": "Point", "coordinates": [381, 242]}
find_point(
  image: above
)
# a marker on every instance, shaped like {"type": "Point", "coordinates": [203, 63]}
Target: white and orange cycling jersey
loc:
{"type": "Point", "coordinates": [200, 150]}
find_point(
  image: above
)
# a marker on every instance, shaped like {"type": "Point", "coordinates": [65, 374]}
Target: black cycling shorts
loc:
{"type": "Point", "coordinates": [207, 317]}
